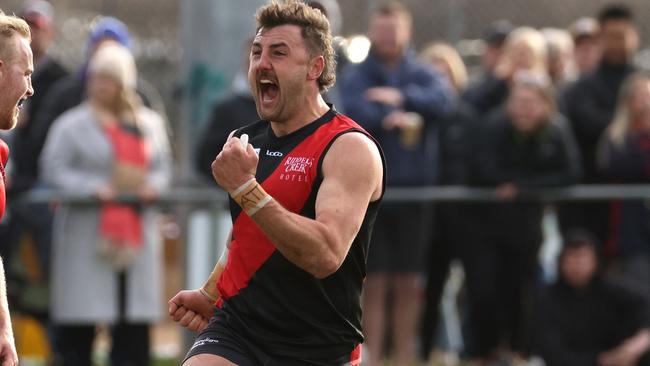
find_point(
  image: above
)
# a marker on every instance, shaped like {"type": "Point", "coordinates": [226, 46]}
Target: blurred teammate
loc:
{"type": "Point", "coordinates": [16, 68]}
{"type": "Point", "coordinates": [289, 287]}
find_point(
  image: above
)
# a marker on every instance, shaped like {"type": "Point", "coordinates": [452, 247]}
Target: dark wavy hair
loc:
{"type": "Point", "coordinates": [315, 30]}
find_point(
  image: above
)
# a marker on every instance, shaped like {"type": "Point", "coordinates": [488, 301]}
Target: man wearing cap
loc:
{"type": "Point", "coordinates": [587, 51]}
{"type": "Point", "coordinates": [16, 68]}
{"type": "Point", "coordinates": [589, 105]}
{"type": "Point", "coordinates": [489, 90]}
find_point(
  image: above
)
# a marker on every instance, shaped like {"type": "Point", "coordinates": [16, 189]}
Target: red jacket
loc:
{"type": "Point", "coordinates": [4, 156]}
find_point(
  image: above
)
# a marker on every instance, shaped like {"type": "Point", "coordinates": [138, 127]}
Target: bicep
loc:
{"type": "Point", "coordinates": [349, 184]}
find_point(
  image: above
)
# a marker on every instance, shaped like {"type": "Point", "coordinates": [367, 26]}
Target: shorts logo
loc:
{"type": "Point", "coordinates": [203, 342]}
{"type": "Point", "coordinates": [296, 169]}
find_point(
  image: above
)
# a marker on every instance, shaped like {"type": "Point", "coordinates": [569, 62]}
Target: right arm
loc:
{"type": "Point", "coordinates": [194, 308]}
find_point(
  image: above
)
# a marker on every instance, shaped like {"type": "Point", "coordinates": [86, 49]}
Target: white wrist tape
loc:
{"type": "Point", "coordinates": [241, 188]}
{"type": "Point", "coordinates": [259, 205]}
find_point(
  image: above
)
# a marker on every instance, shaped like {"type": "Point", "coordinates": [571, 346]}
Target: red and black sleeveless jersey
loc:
{"type": "Point", "coordinates": [280, 307]}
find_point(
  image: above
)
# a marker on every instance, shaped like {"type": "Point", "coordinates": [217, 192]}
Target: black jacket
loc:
{"type": "Point", "coordinates": [573, 326]}
{"type": "Point", "coordinates": [546, 158]}
{"type": "Point", "coordinates": [630, 163]}
{"type": "Point", "coordinates": [229, 114]}
{"type": "Point", "coordinates": [455, 134]}
{"type": "Point", "coordinates": [26, 142]}
{"type": "Point", "coordinates": [590, 103]}
{"type": "Point", "coordinates": [487, 94]}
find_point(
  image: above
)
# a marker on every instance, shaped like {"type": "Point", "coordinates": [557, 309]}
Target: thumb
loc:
{"type": "Point", "coordinates": [175, 302]}
{"type": "Point", "coordinates": [172, 307]}
{"type": "Point", "coordinates": [250, 149]}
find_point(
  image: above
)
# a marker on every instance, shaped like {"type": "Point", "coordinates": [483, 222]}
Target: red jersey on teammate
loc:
{"type": "Point", "coordinates": [4, 156]}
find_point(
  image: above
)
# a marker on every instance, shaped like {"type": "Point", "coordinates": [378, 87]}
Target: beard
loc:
{"type": "Point", "coordinates": [284, 107]}
{"type": "Point", "coordinates": [9, 118]}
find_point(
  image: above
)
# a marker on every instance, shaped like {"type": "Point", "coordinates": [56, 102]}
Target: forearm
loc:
{"type": "Point", "coordinates": [209, 288]}
{"type": "Point", "coordinates": [305, 242]}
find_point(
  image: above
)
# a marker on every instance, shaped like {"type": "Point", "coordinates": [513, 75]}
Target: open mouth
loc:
{"type": "Point", "coordinates": [21, 102]}
{"type": "Point", "coordinates": [269, 90]}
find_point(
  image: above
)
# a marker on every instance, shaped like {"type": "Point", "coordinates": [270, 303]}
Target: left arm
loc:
{"type": "Point", "coordinates": [426, 94]}
{"type": "Point", "coordinates": [430, 96]}
{"type": "Point", "coordinates": [318, 246]}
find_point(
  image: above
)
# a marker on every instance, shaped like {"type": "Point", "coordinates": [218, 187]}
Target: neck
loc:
{"type": "Point", "coordinates": [310, 109]}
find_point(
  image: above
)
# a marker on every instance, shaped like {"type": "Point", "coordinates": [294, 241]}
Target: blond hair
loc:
{"type": "Point", "coordinates": [620, 126]}
{"type": "Point", "coordinates": [116, 61]}
{"type": "Point", "coordinates": [441, 51]}
{"type": "Point", "coordinates": [9, 26]}
{"type": "Point", "coordinates": [315, 31]}
{"type": "Point", "coordinates": [534, 41]}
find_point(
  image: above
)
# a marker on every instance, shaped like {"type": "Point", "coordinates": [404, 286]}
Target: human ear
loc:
{"type": "Point", "coordinates": [316, 67]}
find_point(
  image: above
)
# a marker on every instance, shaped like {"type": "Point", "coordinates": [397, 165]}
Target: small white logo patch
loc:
{"type": "Point", "coordinates": [274, 153]}
{"type": "Point", "coordinates": [203, 342]}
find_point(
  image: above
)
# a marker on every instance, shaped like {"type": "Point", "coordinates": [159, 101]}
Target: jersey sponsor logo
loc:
{"type": "Point", "coordinates": [296, 169]}
{"type": "Point", "coordinates": [298, 164]}
{"type": "Point", "coordinates": [274, 153]}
